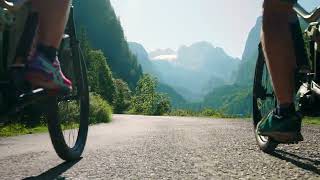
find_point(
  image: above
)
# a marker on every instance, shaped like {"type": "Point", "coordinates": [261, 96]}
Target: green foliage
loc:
{"type": "Point", "coordinates": [84, 42]}
{"type": "Point", "coordinates": [311, 121]}
{"type": "Point", "coordinates": [20, 129]}
{"type": "Point", "coordinates": [163, 105]}
{"type": "Point", "coordinates": [100, 76]}
{"type": "Point", "coordinates": [207, 112]}
{"type": "Point", "coordinates": [105, 32]}
{"type": "Point", "coordinates": [176, 100]}
{"type": "Point", "coordinates": [183, 113]}
{"type": "Point", "coordinates": [231, 99]}
{"type": "Point", "coordinates": [69, 111]}
{"type": "Point", "coordinates": [146, 100]}
{"type": "Point", "coordinates": [122, 96]}
{"type": "Point", "coordinates": [100, 110]}
{"type": "Point", "coordinates": [210, 113]}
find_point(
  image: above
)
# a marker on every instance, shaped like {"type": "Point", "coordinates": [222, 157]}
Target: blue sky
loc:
{"type": "Point", "coordinates": [172, 23]}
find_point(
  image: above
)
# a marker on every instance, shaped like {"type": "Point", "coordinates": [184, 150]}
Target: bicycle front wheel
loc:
{"type": "Point", "coordinates": [68, 115]}
{"type": "Point", "coordinates": [264, 101]}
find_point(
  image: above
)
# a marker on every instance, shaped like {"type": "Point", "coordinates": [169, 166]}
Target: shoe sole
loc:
{"type": "Point", "coordinates": [37, 80]}
{"type": "Point", "coordinates": [285, 137]}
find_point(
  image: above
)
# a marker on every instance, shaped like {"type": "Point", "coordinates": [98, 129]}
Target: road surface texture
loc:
{"type": "Point", "coordinates": [140, 147]}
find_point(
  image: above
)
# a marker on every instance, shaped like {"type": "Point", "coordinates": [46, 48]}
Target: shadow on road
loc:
{"type": "Point", "coordinates": [54, 173]}
{"type": "Point", "coordinates": [302, 162]}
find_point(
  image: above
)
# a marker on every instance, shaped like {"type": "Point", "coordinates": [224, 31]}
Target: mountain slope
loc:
{"type": "Point", "coordinates": [175, 98]}
{"type": "Point", "coordinates": [142, 57]}
{"type": "Point", "coordinates": [245, 72]}
{"type": "Point", "coordinates": [104, 32]}
{"type": "Point", "coordinates": [236, 98]}
{"type": "Point", "coordinates": [231, 99]}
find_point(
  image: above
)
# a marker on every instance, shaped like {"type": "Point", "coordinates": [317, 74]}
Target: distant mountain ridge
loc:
{"type": "Point", "coordinates": [198, 64]}
{"type": "Point", "coordinates": [143, 58]}
{"type": "Point", "coordinates": [228, 86]}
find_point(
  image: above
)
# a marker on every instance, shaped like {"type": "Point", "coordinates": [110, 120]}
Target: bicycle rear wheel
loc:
{"type": "Point", "coordinates": [68, 115]}
{"type": "Point", "coordinates": [264, 101]}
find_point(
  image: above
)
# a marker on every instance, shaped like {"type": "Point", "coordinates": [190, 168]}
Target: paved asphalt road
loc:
{"type": "Point", "coordinates": [140, 147]}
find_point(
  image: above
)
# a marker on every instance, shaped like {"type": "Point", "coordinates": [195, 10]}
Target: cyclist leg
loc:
{"type": "Point", "coordinates": [284, 124]}
{"type": "Point", "coordinates": [278, 48]}
{"type": "Point", "coordinates": [53, 15]}
{"type": "Point", "coordinates": [44, 66]}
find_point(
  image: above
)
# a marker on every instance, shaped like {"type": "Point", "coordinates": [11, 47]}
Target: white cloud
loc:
{"type": "Point", "coordinates": [165, 58]}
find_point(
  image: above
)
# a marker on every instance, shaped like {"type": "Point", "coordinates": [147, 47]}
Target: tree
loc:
{"type": "Point", "coordinates": [121, 101]}
{"type": "Point", "coordinates": [146, 100]}
{"type": "Point", "coordinates": [100, 76]}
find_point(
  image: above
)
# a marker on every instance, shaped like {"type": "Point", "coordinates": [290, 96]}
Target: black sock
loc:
{"type": "Point", "coordinates": [47, 51]}
{"type": "Point", "coordinates": [286, 109]}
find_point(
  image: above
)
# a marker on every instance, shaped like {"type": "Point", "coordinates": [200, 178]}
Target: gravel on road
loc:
{"type": "Point", "coordinates": [144, 147]}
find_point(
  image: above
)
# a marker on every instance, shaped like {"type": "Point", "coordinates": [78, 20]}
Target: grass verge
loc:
{"type": "Point", "coordinates": [18, 129]}
{"type": "Point", "coordinates": [100, 112]}
{"type": "Point", "coordinates": [311, 121]}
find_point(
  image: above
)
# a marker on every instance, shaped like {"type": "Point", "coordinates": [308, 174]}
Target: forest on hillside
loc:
{"type": "Point", "coordinates": [113, 71]}
{"type": "Point", "coordinates": [104, 32]}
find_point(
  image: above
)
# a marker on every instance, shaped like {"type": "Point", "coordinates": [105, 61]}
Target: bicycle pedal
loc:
{"type": "Point", "coordinates": [17, 66]}
{"type": "Point", "coordinates": [32, 94]}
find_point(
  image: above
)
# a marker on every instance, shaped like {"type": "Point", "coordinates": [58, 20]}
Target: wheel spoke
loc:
{"type": "Point", "coordinates": [69, 115]}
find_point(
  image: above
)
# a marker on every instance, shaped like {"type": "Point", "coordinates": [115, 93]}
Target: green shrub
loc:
{"type": "Point", "coordinates": [183, 112]}
{"type": "Point", "coordinates": [203, 113]}
{"type": "Point", "coordinates": [210, 113]}
{"type": "Point", "coordinates": [16, 129]}
{"type": "Point", "coordinates": [163, 105]}
{"type": "Point", "coordinates": [69, 112]}
{"type": "Point", "coordinates": [147, 101]}
{"type": "Point", "coordinates": [100, 110]}
{"type": "Point", "coordinates": [122, 97]}
{"type": "Point", "coordinates": [9, 129]}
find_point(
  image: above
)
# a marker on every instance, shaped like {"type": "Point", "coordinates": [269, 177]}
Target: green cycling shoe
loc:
{"type": "Point", "coordinates": [283, 129]}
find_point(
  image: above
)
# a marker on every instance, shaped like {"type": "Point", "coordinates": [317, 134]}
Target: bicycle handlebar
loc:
{"type": "Point", "coordinates": [309, 17]}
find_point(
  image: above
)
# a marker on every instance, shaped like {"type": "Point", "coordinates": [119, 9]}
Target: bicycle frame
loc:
{"type": "Point", "coordinates": [16, 99]}
{"type": "Point", "coordinates": [308, 17]}
{"type": "Point", "coordinates": [313, 34]}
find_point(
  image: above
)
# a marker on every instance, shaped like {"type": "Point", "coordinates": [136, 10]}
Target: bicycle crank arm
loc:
{"type": "Point", "coordinates": [27, 99]}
